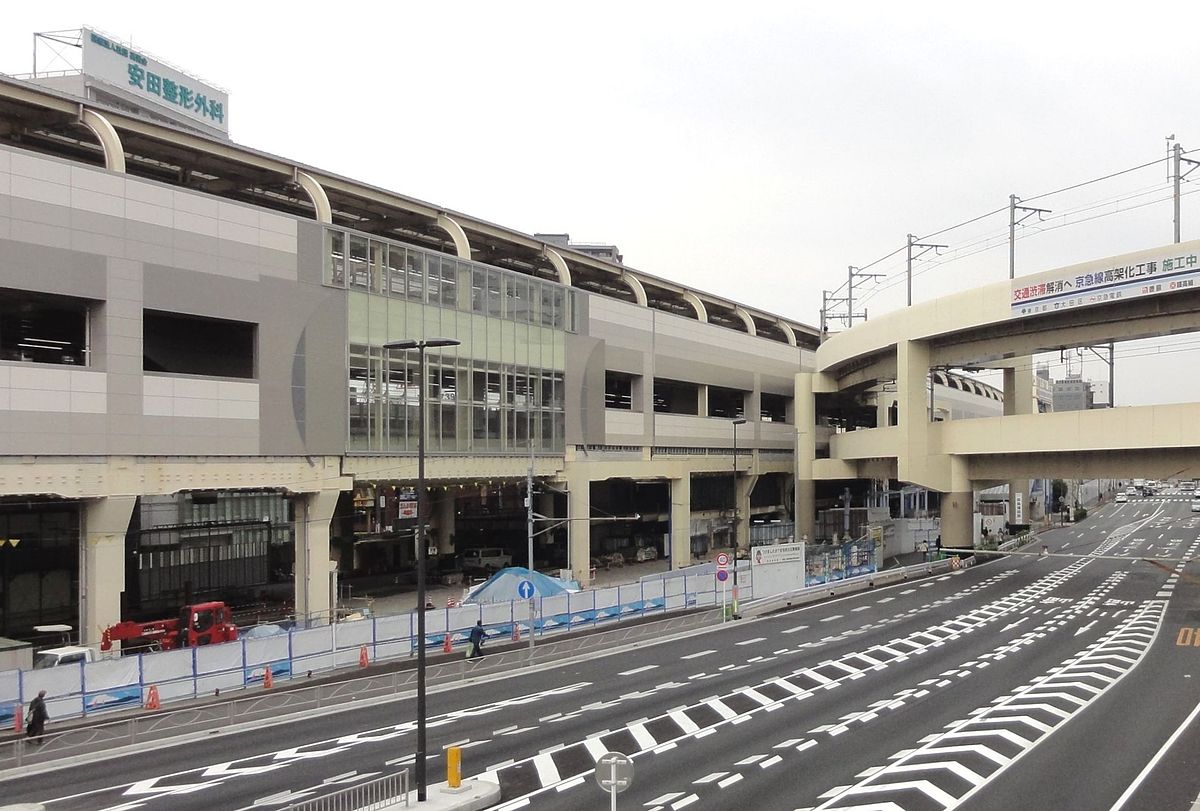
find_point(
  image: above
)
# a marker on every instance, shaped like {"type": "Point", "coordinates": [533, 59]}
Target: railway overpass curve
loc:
{"type": "Point", "coordinates": [1149, 293]}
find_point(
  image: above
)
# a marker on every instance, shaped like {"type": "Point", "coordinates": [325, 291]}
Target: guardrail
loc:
{"type": "Point", "coordinates": [851, 584]}
{"type": "Point", "coordinates": [382, 792]}
{"type": "Point", "coordinates": [157, 726]}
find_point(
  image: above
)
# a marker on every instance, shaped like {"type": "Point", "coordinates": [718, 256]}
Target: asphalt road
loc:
{"type": "Point", "coordinates": [1045, 682]}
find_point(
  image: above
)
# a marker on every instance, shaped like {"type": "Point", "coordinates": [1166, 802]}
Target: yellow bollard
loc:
{"type": "Point", "coordinates": [454, 766]}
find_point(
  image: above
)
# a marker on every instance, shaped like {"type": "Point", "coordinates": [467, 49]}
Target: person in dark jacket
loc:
{"type": "Point", "coordinates": [476, 639]}
{"type": "Point", "coordinates": [37, 717]}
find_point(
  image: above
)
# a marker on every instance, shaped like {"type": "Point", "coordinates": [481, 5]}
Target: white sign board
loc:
{"type": "Point", "coordinates": [780, 553]}
{"type": "Point", "coordinates": [156, 83]}
{"type": "Point", "coordinates": [1019, 512]}
{"type": "Point", "coordinates": [1155, 272]}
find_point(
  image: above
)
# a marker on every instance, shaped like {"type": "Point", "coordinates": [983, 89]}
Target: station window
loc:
{"type": "Point", "coordinates": [676, 397]}
{"type": "Point", "coordinates": [192, 345]}
{"type": "Point", "coordinates": [39, 328]}
{"type": "Point", "coordinates": [618, 390]}
{"type": "Point", "coordinates": [726, 403]}
{"type": "Point", "coordinates": [773, 407]}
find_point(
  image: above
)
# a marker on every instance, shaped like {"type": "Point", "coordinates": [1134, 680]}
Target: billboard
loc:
{"type": "Point", "coordinates": [169, 89]}
{"type": "Point", "coordinates": [1160, 271]}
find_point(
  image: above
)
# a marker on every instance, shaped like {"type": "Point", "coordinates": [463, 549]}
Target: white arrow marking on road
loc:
{"type": "Point", "coordinates": [1084, 628]}
{"type": "Point", "coordinates": [151, 786]}
{"type": "Point", "coordinates": [229, 770]}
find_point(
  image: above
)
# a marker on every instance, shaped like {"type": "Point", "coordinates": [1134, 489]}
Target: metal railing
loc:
{"type": "Point", "coordinates": [382, 792]}
{"type": "Point", "coordinates": [109, 737]}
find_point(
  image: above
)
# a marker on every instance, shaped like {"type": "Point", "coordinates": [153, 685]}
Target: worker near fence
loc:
{"type": "Point", "coordinates": [38, 716]}
{"type": "Point", "coordinates": [476, 638]}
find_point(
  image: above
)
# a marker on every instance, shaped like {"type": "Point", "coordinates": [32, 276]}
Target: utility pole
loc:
{"type": "Point", "coordinates": [1175, 151]}
{"type": "Point", "coordinates": [1013, 222]}
{"type": "Point", "coordinates": [925, 248]}
{"type": "Point", "coordinates": [529, 532]}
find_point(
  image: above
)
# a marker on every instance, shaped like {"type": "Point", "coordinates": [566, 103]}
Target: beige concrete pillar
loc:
{"type": "Point", "coordinates": [579, 522]}
{"type": "Point", "coordinates": [446, 516]}
{"type": "Point", "coordinates": [958, 508]}
{"type": "Point", "coordinates": [744, 486]}
{"type": "Point", "coordinates": [912, 371]}
{"type": "Point", "coordinates": [313, 587]}
{"type": "Point", "coordinates": [1019, 398]}
{"type": "Point", "coordinates": [805, 405]}
{"type": "Point", "coordinates": [681, 521]}
{"type": "Point", "coordinates": [105, 522]}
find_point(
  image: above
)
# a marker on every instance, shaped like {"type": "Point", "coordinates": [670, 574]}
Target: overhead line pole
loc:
{"type": "Point", "coordinates": [925, 248]}
{"type": "Point", "coordinates": [1177, 175]}
{"type": "Point", "coordinates": [1013, 222]}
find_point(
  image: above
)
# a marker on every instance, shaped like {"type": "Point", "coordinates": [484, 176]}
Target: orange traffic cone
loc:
{"type": "Point", "coordinates": [18, 717]}
{"type": "Point", "coordinates": [447, 644]}
{"type": "Point", "coordinates": [152, 702]}
{"type": "Point", "coordinates": [268, 678]}
{"type": "Point", "coordinates": [363, 659]}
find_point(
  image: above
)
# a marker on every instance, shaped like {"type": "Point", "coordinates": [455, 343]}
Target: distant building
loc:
{"type": "Point", "coordinates": [1072, 394]}
{"type": "Point", "coordinates": [1044, 390]}
{"type": "Point", "coordinates": [609, 253]}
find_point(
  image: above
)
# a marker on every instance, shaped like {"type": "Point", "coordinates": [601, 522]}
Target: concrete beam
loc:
{"type": "Point", "coordinates": [316, 195]}
{"type": "Point", "coordinates": [559, 264]}
{"type": "Point", "coordinates": [748, 320]}
{"type": "Point", "coordinates": [696, 304]}
{"type": "Point", "coordinates": [105, 522]}
{"type": "Point", "coordinates": [106, 134]}
{"type": "Point", "coordinates": [787, 331]}
{"type": "Point", "coordinates": [462, 245]}
{"type": "Point", "coordinates": [635, 284]}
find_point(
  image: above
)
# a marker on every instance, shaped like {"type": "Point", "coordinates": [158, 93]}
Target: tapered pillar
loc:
{"type": "Point", "coordinates": [806, 453]}
{"type": "Point", "coordinates": [681, 522]}
{"type": "Point", "coordinates": [314, 586]}
{"type": "Point", "coordinates": [1019, 398]}
{"type": "Point", "coordinates": [579, 526]}
{"type": "Point", "coordinates": [105, 522]}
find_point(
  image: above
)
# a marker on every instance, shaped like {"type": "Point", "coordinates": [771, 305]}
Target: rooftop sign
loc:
{"type": "Point", "coordinates": [155, 82]}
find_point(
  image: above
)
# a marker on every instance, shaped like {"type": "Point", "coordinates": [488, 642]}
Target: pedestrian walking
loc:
{"type": "Point", "coordinates": [923, 548]}
{"type": "Point", "coordinates": [37, 718]}
{"type": "Point", "coordinates": [476, 639]}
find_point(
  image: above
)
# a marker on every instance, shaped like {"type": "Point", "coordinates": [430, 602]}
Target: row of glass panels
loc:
{"type": "Point", "coordinates": [472, 405]}
{"type": "Point", "coordinates": [400, 271]}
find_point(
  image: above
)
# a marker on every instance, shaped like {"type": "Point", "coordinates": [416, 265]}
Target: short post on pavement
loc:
{"type": "Point", "coordinates": [614, 774]}
{"type": "Point", "coordinates": [723, 579]}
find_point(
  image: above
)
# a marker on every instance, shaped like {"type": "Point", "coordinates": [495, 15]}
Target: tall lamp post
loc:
{"type": "Point", "coordinates": [736, 422]}
{"type": "Point", "coordinates": [421, 346]}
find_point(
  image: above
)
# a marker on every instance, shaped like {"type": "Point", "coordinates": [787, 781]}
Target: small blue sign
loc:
{"type": "Point", "coordinates": [722, 575]}
{"type": "Point", "coordinates": [526, 590]}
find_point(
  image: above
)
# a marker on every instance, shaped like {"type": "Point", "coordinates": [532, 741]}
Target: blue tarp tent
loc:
{"type": "Point", "coordinates": [502, 586]}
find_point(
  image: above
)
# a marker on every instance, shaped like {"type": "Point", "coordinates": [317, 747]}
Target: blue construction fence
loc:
{"type": "Point", "coordinates": [87, 689]}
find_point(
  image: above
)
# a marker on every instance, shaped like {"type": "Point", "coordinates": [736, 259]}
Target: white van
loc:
{"type": "Point", "coordinates": [487, 559]}
{"type": "Point", "coordinates": [66, 655]}
{"type": "Point", "coordinates": [1196, 503]}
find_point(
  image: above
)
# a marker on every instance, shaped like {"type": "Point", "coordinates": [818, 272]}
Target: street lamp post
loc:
{"type": "Point", "coordinates": [421, 346]}
{"type": "Point", "coordinates": [736, 423]}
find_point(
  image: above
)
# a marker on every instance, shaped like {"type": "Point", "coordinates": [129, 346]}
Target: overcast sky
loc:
{"type": "Point", "coordinates": [753, 151]}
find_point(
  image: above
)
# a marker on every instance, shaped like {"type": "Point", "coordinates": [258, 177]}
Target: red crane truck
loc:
{"type": "Point", "coordinates": [200, 624]}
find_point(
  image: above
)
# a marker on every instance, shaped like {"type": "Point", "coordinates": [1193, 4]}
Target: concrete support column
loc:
{"type": "Point", "coordinates": [805, 406]}
{"type": "Point", "coordinates": [1019, 398]}
{"type": "Point", "coordinates": [958, 508]}
{"type": "Point", "coordinates": [958, 520]}
{"type": "Point", "coordinates": [744, 486]}
{"type": "Point", "coordinates": [912, 370]}
{"type": "Point", "coordinates": [105, 522]}
{"type": "Point", "coordinates": [579, 523]}
{"type": "Point", "coordinates": [446, 516]}
{"type": "Point", "coordinates": [313, 515]}
{"type": "Point", "coordinates": [681, 521]}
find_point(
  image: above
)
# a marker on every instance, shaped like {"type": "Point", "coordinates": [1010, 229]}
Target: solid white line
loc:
{"type": "Point", "coordinates": [641, 669]}
{"type": "Point", "coordinates": [1137, 781]}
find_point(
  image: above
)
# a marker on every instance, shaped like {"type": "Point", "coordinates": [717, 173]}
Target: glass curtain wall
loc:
{"type": "Point", "coordinates": [499, 392]}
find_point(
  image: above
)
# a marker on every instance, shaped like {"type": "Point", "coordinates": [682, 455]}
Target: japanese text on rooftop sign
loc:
{"type": "Point", "coordinates": [1175, 269]}
{"type": "Point", "coordinates": [158, 83]}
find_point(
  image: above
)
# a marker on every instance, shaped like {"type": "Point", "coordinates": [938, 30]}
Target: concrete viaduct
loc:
{"type": "Point", "coordinates": [1146, 294]}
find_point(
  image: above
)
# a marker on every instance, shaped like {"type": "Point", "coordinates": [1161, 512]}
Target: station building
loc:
{"type": "Point", "coordinates": [196, 397]}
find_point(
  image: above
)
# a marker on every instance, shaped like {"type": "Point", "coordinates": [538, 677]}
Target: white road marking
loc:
{"type": "Point", "coordinates": [751, 641]}
{"type": "Point", "coordinates": [729, 781]}
{"type": "Point", "coordinates": [641, 669]}
{"type": "Point", "coordinates": [831, 619]}
{"type": "Point", "coordinates": [698, 654]}
{"type": "Point", "coordinates": [794, 630]}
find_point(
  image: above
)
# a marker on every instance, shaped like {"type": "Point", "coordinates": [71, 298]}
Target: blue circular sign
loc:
{"type": "Point", "coordinates": [526, 590]}
{"type": "Point", "coordinates": [722, 575]}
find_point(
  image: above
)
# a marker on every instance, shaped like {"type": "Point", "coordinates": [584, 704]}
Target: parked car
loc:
{"type": "Point", "coordinates": [646, 553]}
{"type": "Point", "coordinates": [485, 558]}
{"type": "Point", "coordinates": [66, 655]}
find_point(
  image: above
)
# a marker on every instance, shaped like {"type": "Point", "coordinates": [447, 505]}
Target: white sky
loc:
{"type": "Point", "coordinates": [753, 151]}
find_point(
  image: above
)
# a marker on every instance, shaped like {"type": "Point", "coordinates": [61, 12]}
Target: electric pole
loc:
{"type": "Point", "coordinates": [925, 248]}
{"type": "Point", "coordinates": [1013, 222]}
{"type": "Point", "coordinates": [1175, 151]}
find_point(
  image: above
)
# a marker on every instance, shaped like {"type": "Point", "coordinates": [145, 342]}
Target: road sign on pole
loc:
{"type": "Point", "coordinates": [614, 774]}
{"type": "Point", "coordinates": [526, 590]}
